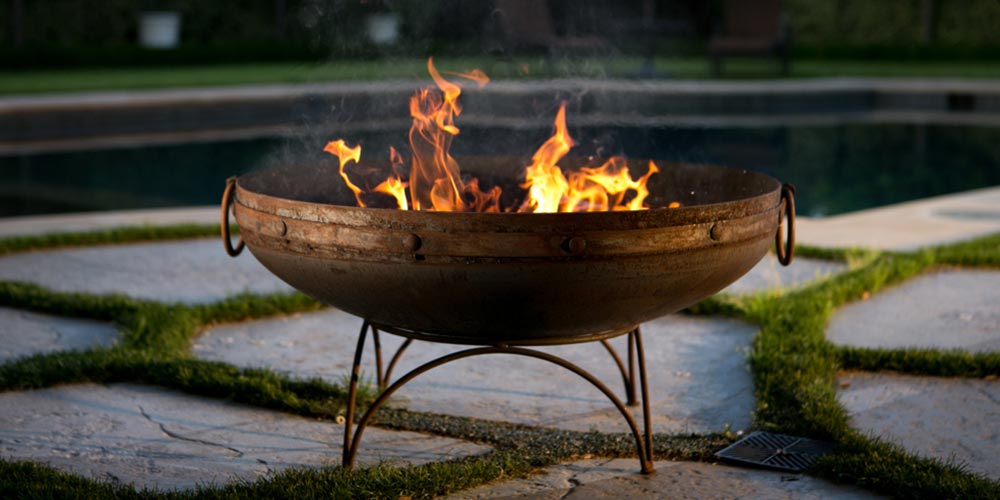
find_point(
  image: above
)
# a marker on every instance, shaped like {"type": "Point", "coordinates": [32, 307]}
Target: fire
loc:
{"type": "Point", "coordinates": [544, 180]}
{"type": "Point", "coordinates": [394, 185]}
{"type": "Point", "coordinates": [435, 181]}
{"type": "Point", "coordinates": [588, 190]}
{"type": "Point", "coordinates": [340, 149]}
{"type": "Point", "coordinates": [604, 188]}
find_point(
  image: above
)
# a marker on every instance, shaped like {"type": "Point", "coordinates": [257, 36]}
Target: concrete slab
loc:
{"type": "Point", "coordinates": [947, 419]}
{"type": "Point", "coordinates": [94, 221]}
{"type": "Point", "coordinates": [166, 440]}
{"type": "Point", "coordinates": [910, 225]}
{"type": "Point", "coordinates": [953, 309]}
{"type": "Point", "coordinates": [699, 379]}
{"type": "Point", "coordinates": [190, 271]}
{"type": "Point", "coordinates": [25, 333]}
{"type": "Point", "coordinates": [768, 274]}
{"type": "Point", "coordinates": [618, 478]}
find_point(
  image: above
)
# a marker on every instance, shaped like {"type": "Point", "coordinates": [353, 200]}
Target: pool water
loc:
{"type": "Point", "coordinates": [836, 169]}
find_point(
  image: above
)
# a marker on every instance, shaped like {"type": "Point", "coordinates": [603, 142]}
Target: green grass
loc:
{"type": "Point", "coordinates": [110, 236]}
{"type": "Point", "coordinates": [933, 362]}
{"type": "Point", "coordinates": [794, 370]}
{"type": "Point", "coordinates": [130, 78]}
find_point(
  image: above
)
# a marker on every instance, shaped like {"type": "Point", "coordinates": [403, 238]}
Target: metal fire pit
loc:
{"type": "Point", "coordinates": [506, 280]}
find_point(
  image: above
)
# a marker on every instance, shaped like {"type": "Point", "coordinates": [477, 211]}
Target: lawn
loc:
{"type": "Point", "coordinates": [666, 68]}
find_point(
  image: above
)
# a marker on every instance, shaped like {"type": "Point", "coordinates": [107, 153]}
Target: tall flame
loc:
{"type": "Point", "coordinates": [435, 181]}
{"type": "Point", "coordinates": [544, 180]}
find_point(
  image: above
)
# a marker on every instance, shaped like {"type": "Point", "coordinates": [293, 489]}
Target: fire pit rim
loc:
{"type": "Point", "coordinates": [765, 198]}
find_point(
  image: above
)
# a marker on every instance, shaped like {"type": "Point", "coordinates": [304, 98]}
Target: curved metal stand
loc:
{"type": "Point", "coordinates": [644, 444]}
{"type": "Point", "coordinates": [628, 375]}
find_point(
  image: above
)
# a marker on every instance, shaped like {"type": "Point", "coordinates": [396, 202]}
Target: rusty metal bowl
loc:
{"type": "Point", "coordinates": [510, 278]}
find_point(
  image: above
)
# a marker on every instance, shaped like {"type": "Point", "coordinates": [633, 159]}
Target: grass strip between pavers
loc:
{"type": "Point", "coordinates": [129, 234]}
{"type": "Point", "coordinates": [916, 361]}
{"type": "Point", "coordinates": [793, 365]}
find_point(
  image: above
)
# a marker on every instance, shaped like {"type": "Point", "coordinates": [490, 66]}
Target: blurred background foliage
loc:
{"type": "Point", "coordinates": [59, 33]}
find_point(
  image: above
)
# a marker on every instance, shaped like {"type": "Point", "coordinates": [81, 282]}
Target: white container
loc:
{"type": "Point", "coordinates": [383, 29]}
{"type": "Point", "coordinates": [159, 29]}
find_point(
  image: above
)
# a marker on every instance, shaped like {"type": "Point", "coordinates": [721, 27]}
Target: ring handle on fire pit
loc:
{"type": "Point", "coordinates": [227, 201]}
{"type": "Point", "coordinates": [786, 249]}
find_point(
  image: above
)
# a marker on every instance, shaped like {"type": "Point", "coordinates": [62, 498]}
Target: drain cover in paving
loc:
{"type": "Point", "coordinates": [776, 451]}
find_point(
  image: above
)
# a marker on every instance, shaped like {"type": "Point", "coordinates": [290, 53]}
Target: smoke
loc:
{"type": "Point", "coordinates": [539, 54]}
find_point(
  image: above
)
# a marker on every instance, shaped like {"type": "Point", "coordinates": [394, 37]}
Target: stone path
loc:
{"type": "Point", "coordinates": [158, 439]}
{"type": "Point", "coordinates": [699, 378]}
{"type": "Point", "coordinates": [947, 419]}
{"type": "Point", "coordinates": [177, 271]}
{"type": "Point", "coordinates": [25, 333]}
{"type": "Point", "coordinates": [699, 381]}
{"type": "Point", "coordinates": [952, 309]}
{"type": "Point", "coordinates": [616, 478]}
{"type": "Point", "coordinates": [769, 274]}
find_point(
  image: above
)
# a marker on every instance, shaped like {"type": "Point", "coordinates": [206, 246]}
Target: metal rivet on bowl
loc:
{"type": "Point", "coordinates": [718, 233]}
{"type": "Point", "coordinates": [574, 245]}
{"type": "Point", "coordinates": [282, 228]}
{"type": "Point", "coordinates": [411, 242]}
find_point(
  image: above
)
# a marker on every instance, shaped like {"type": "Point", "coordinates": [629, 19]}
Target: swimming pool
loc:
{"type": "Point", "coordinates": [836, 168]}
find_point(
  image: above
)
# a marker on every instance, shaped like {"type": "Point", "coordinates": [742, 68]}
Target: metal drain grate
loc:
{"type": "Point", "coordinates": [776, 451]}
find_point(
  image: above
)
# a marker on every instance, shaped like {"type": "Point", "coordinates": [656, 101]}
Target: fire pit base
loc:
{"type": "Point", "coordinates": [636, 353]}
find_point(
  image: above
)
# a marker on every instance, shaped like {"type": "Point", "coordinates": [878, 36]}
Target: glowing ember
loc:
{"type": "Point", "coordinates": [435, 181]}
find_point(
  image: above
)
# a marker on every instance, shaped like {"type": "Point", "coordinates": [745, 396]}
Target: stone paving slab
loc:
{"type": "Point", "coordinates": [699, 380]}
{"type": "Point", "coordinates": [619, 478]}
{"type": "Point", "coordinates": [29, 225]}
{"type": "Point", "coordinates": [165, 440]}
{"type": "Point", "coordinates": [932, 417]}
{"type": "Point", "coordinates": [25, 333]}
{"type": "Point", "coordinates": [908, 226]}
{"type": "Point", "coordinates": [769, 274]}
{"type": "Point", "coordinates": [952, 309]}
{"type": "Point", "coordinates": [191, 271]}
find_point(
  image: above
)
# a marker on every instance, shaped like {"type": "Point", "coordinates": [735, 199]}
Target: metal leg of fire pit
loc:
{"type": "Point", "coordinates": [393, 361]}
{"type": "Point", "coordinates": [379, 379]}
{"type": "Point", "coordinates": [644, 444]}
{"type": "Point", "coordinates": [644, 387]}
{"type": "Point", "coordinates": [628, 375]}
{"type": "Point", "coordinates": [382, 378]}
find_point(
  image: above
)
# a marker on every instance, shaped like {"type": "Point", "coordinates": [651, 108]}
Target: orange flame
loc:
{"type": "Point", "coordinates": [394, 185]}
{"type": "Point", "coordinates": [344, 153]}
{"type": "Point", "coordinates": [475, 75]}
{"type": "Point", "coordinates": [589, 190]}
{"type": "Point", "coordinates": [544, 180]}
{"type": "Point", "coordinates": [605, 187]}
{"type": "Point", "coordinates": [435, 181]}
{"type": "Point", "coordinates": [483, 201]}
